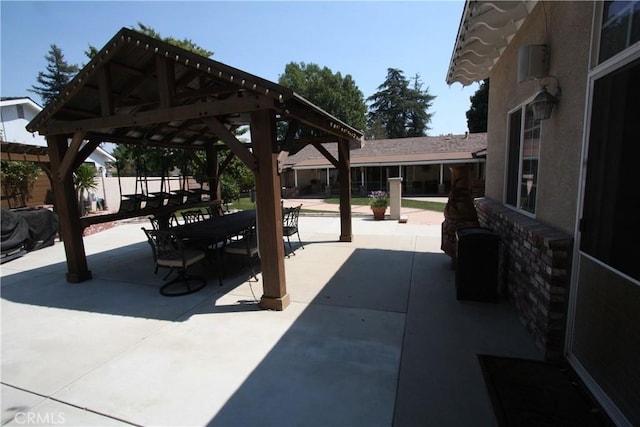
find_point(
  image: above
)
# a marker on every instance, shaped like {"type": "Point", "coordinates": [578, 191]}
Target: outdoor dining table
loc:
{"type": "Point", "coordinates": [216, 229]}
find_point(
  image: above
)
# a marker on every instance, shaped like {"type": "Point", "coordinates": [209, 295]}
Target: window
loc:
{"type": "Point", "coordinates": [20, 111]}
{"type": "Point", "coordinates": [608, 225]}
{"type": "Point", "coordinates": [522, 160]}
{"type": "Point", "coordinates": [620, 27]}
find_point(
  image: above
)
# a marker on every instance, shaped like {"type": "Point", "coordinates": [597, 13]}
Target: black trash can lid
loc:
{"type": "Point", "coordinates": [475, 232]}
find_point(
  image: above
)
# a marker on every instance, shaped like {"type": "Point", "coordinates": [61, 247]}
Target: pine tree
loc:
{"type": "Point", "coordinates": [401, 110]}
{"type": "Point", "coordinates": [58, 74]}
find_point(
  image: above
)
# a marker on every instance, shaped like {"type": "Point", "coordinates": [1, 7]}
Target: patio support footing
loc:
{"type": "Point", "coordinates": [275, 303]}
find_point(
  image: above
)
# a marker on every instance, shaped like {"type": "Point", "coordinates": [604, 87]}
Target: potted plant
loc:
{"type": "Point", "coordinates": [379, 200]}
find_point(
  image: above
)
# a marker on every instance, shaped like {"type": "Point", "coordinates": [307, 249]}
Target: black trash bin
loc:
{"type": "Point", "coordinates": [477, 264]}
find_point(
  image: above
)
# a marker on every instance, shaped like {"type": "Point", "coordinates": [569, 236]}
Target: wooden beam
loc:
{"type": "Point", "coordinates": [105, 90]}
{"type": "Point", "coordinates": [326, 154]}
{"type": "Point", "coordinates": [240, 104]}
{"type": "Point", "coordinates": [269, 214]}
{"type": "Point", "coordinates": [193, 156]}
{"type": "Point", "coordinates": [85, 152]}
{"type": "Point", "coordinates": [166, 81]}
{"type": "Point", "coordinates": [226, 162]}
{"type": "Point", "coordinates": [318, 121]}
{"type": "Point", "coordinates": [105, 137]}
{"type": "Point", "coordinates": [344, 182]}
{"type": "Point", "coordinates": [70, 155]}
{"type": "Point", "coordinates": [67, 210]}
{"type": "Point", "coordinates": [238, 148]}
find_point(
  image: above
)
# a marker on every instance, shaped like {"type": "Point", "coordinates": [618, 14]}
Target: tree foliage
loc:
{"type": "Point", "coordinates": [58, 73]}
{"type": "Point", "coordinates": [185, 43]}
{"type": "Point", "coordinates": [337, 95]}
{"type": "Point", "coordinates": [400, 108]}
{"type": "Point", "coordinates": [18, 179]}
{"type": "Point", "coordinates": [479, 111]}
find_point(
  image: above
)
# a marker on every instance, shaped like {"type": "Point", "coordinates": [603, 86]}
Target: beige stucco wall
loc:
{"type": "Point", "coordinates": [567, 32]}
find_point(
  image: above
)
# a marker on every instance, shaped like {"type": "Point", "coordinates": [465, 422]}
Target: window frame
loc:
{"type": "Point", "coordinates": [522, 109]}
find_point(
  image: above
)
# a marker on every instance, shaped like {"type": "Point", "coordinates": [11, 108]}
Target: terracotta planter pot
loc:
{"type": "Point", "coordinates": [378, 212]}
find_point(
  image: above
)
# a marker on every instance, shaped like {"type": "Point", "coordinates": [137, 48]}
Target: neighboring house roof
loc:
{"type": "Point", "coordinates": [21, 144]}
{"type": "Point", "coordinates": [486, 29]}
{"type": "Point", "coordinates": [13, 100]}
{"type": "Point", "coordinates": [406, 151]}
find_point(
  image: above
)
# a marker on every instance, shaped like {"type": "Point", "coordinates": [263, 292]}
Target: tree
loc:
{"type": "Point", "coordinates": [185, 44]}
{"type": "Point", "coordinates": [84, 180]}
{"type": "Point", "coordinates": [398, 109]}
{"type": "Point", "coordinates": [337, 95]}
{"type": "Point", "coordinates": [477, 114]}
{"type": "Point", "coordinates": [18, 179]}
{"type": "Point", "coordinates": [58, 73]}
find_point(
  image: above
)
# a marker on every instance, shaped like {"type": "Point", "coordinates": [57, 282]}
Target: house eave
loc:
{"type": "Point", "coordinates": [486, 29]}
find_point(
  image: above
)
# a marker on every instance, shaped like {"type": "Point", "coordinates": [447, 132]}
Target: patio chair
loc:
{"type": "Point", "coordinates": [173, 220]}
{"type": "Point", "coordinates": [155, 224]}
{"type": "Point", "coordinates": [246, 245]}
{"type": "Point", "coordinates": [169, 252]}
{"type": "Point", "coordinates": [290, 226]}
{"type": "Point", "coordinates": [215, 210]}
{"type": "Point", "coordinates": [192, 216]}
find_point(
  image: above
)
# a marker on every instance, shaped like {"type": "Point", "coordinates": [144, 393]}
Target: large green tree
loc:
{"type": "Point", "coordinates": [477, 114]}
{"type": "Point", "coordinates": [58, 73]}
{"type": "Point", "coordinates": [337, 95]}
{"type": "Point", "coordinates": [400, 108]}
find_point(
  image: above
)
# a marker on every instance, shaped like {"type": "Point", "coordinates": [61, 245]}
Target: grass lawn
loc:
{"type": "Point", "coordinates": [406, 203]}
{"type": "Point", "coordinates": [245, 203]}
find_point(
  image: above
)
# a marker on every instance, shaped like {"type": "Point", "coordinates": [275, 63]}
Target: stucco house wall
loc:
{"type": "Point", "coordinates": [562, 134]}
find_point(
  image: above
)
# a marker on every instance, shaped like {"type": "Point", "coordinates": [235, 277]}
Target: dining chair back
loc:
{"type": "Point", "coordinates": [169, 252]}
{"type": "Point", "coordinates": [246, 245]}
{"type": "Point", "coordinates": [290, 225]}
{"type": "Point", "coordinates": [192, 216]}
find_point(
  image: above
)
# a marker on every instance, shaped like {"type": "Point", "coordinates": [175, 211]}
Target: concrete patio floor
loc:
{"type": "Point", "coordinates": [374, 336]}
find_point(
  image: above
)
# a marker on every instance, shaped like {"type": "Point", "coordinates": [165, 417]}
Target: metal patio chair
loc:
{"type": "Point", "coordinates": [169, 252]}
{"type": "Point", "coordinates": [290, 226]}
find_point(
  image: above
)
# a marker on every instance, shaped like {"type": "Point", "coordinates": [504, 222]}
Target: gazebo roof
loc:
{"type": "Point", "coordinates": [141, 90]}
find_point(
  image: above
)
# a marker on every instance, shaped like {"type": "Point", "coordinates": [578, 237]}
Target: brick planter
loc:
{"type": "Point", "coordinates": [534, 273]}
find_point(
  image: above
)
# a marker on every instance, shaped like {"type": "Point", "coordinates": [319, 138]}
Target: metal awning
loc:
{"type": "Point", "coordinates": [486, 29]}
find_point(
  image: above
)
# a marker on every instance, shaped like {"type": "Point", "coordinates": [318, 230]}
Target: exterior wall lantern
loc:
{"type": "Point", "coordinates": [533, 63]}
{"type": "Point", "coordinates": [542, 104]}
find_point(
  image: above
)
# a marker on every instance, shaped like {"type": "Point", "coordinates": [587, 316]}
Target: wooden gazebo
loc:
{"type": "Point", "coordinates": [143, 91]}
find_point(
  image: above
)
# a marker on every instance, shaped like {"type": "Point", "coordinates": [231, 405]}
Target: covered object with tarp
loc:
{"type": "Point", "coordinates": [27, 230]}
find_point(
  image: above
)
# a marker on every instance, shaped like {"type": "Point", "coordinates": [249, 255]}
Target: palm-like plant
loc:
{"type": "Point", "coordinates": [84, 180]}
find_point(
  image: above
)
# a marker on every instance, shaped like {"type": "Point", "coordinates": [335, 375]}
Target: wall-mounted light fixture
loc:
{"type": "Point", "coordinates": [542, 105]}
{"type": "Point", "coordinates": [533, 63]}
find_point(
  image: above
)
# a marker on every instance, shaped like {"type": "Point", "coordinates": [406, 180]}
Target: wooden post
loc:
{"type": "Point", "coordinates": [212, 172]}
{"type": "Point", "coordinates": [68, 213]}
{"type": "Point", "coordinates": [269, 211]}
{"type": "Point", "coordinates": [344, 180]}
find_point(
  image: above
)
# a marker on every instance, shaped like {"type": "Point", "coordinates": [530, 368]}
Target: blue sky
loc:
{"type": "Point", "coordinates": [359, 38]}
